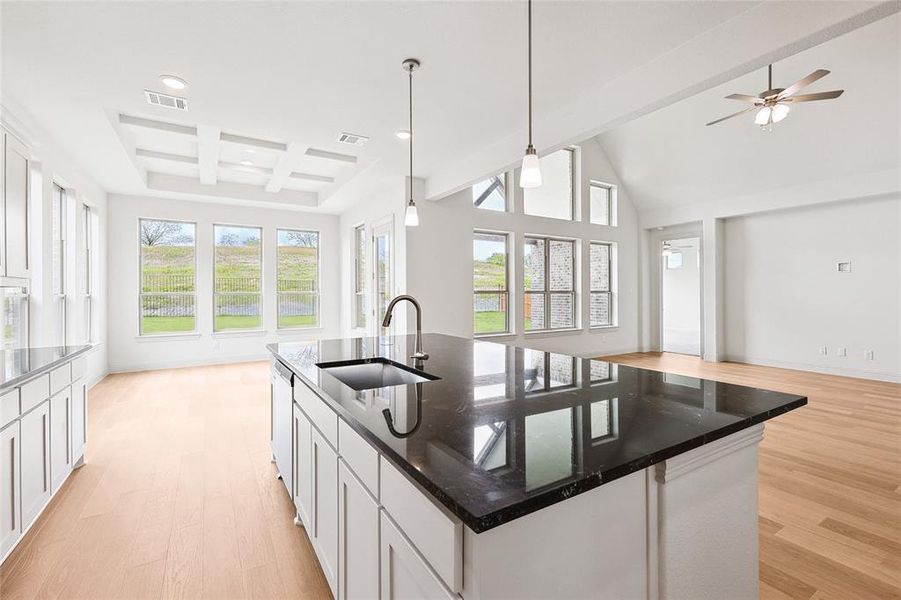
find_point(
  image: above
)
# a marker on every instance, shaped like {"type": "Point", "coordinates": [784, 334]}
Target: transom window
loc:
{"type": "Point", "coordinates": [549, 301]}
{"type": "Point", "coordinates": [237, 278]}
{"type": "Point", "coordinates": [491, 194]}
{"type": "Point", "coordinates": [298, 278]}
{"type": "Point", "coordinates": [168, 277]}
{"type": "Point", "coordinates": [554, 199]}
{"type": "Point", "coordinates": [602, 200]}
{"type": "Point", "coordinates": [490, 281]}
{"type": "Point", "coordinates": [601, 302]}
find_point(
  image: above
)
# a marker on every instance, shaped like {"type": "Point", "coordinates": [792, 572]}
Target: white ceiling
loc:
{"type": "Point", "coordinates": [669, 158]}
{"type": "Point", "coordinates": [305, 71]}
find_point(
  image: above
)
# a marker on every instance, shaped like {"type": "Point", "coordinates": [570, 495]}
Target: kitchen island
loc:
{"type": "Point", "coordinates": [491, 471]}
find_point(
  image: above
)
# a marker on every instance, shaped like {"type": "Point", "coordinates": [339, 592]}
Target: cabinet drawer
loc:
{"type": "Point", "coordinates": [320, 415]}
{"type": "Point", "coordinates": [9, 407]}
{"type": "Point", "coordinates": [437, 534]}
{"type": "Point", "coordinates": [79, 366]}
{"type": "Point", "coordinates": [34, 392]}
{"type": "Point", "coordinates": [60, 377]}
{"type": "Point", "coordinates": [362, 458]}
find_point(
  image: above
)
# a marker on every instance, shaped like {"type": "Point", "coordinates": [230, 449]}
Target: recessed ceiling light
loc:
{"type": "Point", "coordinates": [247, 163]}
{"type": "Point", "coordinates": [173, 83]}
{"type": "Point", "coordinates": [402, 134]}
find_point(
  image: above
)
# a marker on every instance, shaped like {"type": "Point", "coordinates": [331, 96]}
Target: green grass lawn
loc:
{"type": "Point", "coordinates": [490, 322]}
{"type": "Point", "coordinates": [151, 325]}
{"type": "Point", "coordinates": [297, 321]}
{"type": "Point", "coordinates": [156, 325]}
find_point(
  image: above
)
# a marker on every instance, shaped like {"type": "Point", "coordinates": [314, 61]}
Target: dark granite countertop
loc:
{"type": "Point", "coordinates": [507, 431]}
{"type": "Point", "coordinates": [18, 366]}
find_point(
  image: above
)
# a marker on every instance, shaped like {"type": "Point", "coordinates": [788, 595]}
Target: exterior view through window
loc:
{"type": "Point", "coordinates": [490, 283]}
{"type": "Point", "coordinates": [58, 262]}
{"type": "Point", "coordinates": [491, 194]}
{"type": "Point", "coordinates": [298, 278]}
{"type": "Point", "coordinates": [359, 298]}
{"type": "Point", "coordinates": [601, 296]}
{"type": "Point", "coordinates": [168, 277]}
{"type": "Point", "coordinates": [550, 298]}
{"type": "Point", "coordinates": [238, 278]}
{"type": "Point", "coordinates": [601, 200]}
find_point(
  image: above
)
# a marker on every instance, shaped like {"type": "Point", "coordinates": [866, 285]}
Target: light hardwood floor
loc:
{"type": "Point", "coordinates": [178, 497]}
{"type": "Point", "coordinates": [830, 480]}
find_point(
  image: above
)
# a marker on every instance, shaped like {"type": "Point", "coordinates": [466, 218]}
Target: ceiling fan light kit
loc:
{"type": "Point", "coordinates": [772, 105]}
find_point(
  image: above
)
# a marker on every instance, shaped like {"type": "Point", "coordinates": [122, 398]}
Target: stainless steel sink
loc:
{"type": "Point", "coordinates": [372, 373]}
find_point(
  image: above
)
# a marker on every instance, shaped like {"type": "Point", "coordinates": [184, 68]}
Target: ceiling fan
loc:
{"type": "Point", "coordinates": [773, 104]}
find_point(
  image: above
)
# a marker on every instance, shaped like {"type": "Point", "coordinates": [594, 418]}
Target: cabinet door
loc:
{"type": "Point", "coordinates": [79, 421]}
{"type": "Point", "coordinates": [10, 519]}
{"type": "Point", "coordinates": [15, 192]}
{"type": "Point", "coordinates": [303, 467]}
{"type": "Point", "coordinates": [60, 441]}
{"type": "Point", "coordinates": [404, 573]}
{"type": "Point", "coordinates": [282, 410]}
{"type": "Point", "coordinates": [35, 463]}
{"type": "Point", "coordinates": [358, 538]}
{"type": "Point", "coordinates": [325, 508]}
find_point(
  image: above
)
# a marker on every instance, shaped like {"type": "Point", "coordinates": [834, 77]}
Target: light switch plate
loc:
{"type": "Point", "coordinates": [844, 266]}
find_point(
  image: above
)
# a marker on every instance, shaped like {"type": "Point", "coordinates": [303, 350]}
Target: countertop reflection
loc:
{"type": "Point", "coordinates": [19, 365]}
{"type": "Point", "coordinates": [506, 431]}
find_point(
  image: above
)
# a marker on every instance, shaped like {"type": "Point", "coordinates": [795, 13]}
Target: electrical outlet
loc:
{"type": "Point", "coordinates": [823, 350]}
{"type": "Point", "coordinates": [869, 355]}
{"type": "Point", "coordinates": [841, 351]}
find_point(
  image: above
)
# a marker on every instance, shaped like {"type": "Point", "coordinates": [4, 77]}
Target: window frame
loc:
{"type": "Point", "coordinates": [141, 292]}
{"type": "Point", "coordinates": [360, 277]}
{"type": "Point", "coordinates": [609, 292]}
{"type": "Point", "coordinates": [87, 215]}
{"type": "Point", "coordinates": [60, 199]}
{"type": "Point", "coordinates": [503, 181]}
{"type": "Point", "coordinates": [611, 202]}
{"type": "Point", "coordinates": [262, 325]}
{"type": "Point", "coordinates": [278, 293]}
{"type": "Point", "coordinates": [573, 189]}
{"type": "Point", "coordinates": [547, 293]}
{"type": "Point", "coordinates": [506, 292]}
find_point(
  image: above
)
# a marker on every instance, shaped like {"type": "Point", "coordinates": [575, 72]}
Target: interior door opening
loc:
{"type": "Point", "coordinates": [681, 295]}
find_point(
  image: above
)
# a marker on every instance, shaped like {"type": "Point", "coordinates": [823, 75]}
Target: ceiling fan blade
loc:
{"type": "Point", "coordinates": [743, 98]}
{"type": "Point", "coordinates": [816, 96]}
{"type": "Point", "coordinates": [741, 112]}
{"type": "Point", "coordinates": [799, 85]}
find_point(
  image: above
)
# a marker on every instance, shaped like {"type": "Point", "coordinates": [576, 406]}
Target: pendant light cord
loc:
{"type": "Point", "coordinates": [770, 78]}
{"type": "Point", "coordinates": [530, 73]}
{"type": "Point", "coordinates": [411, 133]}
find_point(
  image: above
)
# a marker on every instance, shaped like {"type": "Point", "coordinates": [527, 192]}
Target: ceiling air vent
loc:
{"type": "Point", "coordinates": [353, 139]}
{"type": "Point", "coordinates": [158, 99]}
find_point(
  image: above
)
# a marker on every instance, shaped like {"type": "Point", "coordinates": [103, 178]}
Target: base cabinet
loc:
{"type": "Point", "coordinates": [405, 575]}
{"type": "Point", "coordinates": [358, 538]}
{"type": "Point", "coordinates": [79, 417]}
{"type": "Point", "coordinates": [10, 488]}
{"type": "Point", "coordinates": [282, 404]}
{"type": "Point", "coordinates": [35, 462]}
{"type": "Point", "coordinates": [60, 442]}
{"type": "Point", "coordinates": [324, 518]}
{"type": "Point", "coordinates": [303, 467]}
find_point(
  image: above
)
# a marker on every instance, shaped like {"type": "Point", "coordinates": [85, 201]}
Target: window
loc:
{"type": "Point", "coordinates": [554, 199]}
{"type": "Point", "coordinates": [87, 240]}
{"type": "Point", "coordinates": [168, 277]}
{"type": "Point", "coordinates": [601, 303]}
{"type": "Point", "coordinates": [546, 371]}
{"type": "Point", "coordinates": [237, 278]}
{"type": "Point", "coordinates": [298, 278]}
{"type": "Point", "coordinates": [674, 260]}
{"type": "Point", "coordinates": [602, 200]}
{"type": "Point", "coordinates": [549, 301]}
{"type": "Point", "coordinates": [491, 194]}
{"type": "Point", "coordinates": [14, 304]}
{"type": "Point", "coordinates": [359, 299]}
{"type": "Point", "coordinates": [58, 261]}
{"type": "Point", "coordinates": [490, 283]}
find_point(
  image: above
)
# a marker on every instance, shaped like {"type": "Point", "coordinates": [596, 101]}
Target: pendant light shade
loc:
{"type": "Point", "coordinates": [530, 174]}
{"type": "Point", "coordinates": [411, 217]}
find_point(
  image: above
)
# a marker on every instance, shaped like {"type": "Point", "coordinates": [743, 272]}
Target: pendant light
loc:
{"type": "Point", "coordinates": [530, 174]}
{"type": "Point", "coordinates": [411, 218]}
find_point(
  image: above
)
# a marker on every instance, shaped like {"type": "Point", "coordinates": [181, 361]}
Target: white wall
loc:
{"type": "Point", "coordinates": [49, 164]}
{"type": "Point", "coordinates": [784, 297]}
{"type": "Point", "coordinates": [439, 263]}
{"type": "Point", "coordinates": [129, 351]}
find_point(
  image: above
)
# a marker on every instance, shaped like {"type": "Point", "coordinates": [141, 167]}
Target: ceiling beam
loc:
{"type": "Point", "coordinates": [238, 193]}
{"type": "Point", "coordinates": [249, 141]}
{"type": "Point", "coordinates": [316, 153]}
{"type": "Point", "coordinates": [158, 125]}
{"type": "Point", "coordinates": [208, 153]}
{"type": "Point", "coordinates": [191, 160]}
{"type": "Point", "coordinates": [285, 166]}
{"type": "Point", "coordinates": [312, 177]}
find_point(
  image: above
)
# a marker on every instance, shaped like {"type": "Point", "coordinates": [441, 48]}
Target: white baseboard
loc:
{"type": "Point", "coordinates": [181, 362]}
{"type": "Point", "coordinates": [827, 370]}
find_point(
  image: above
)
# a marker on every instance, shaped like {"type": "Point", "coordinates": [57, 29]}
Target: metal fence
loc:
{"type": "Point", "coordinates": [490, 301]}
{"type": "Point", "coordinates": [171, 296]}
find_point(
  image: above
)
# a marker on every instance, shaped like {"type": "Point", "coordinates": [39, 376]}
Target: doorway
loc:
{"type": "Point", "coordinates": [680, 288]}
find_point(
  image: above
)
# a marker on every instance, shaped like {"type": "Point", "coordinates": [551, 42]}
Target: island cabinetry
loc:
{"type": "Point", "coordinates": [323, 530]}
{"type": "Point", "coordinates": [303, 466]}
{"type": "Point", "coordinates": [281, 423]}
{"type": "Point", "coordinates": [358, 534]}
{"type": "Point", "coordinates": [404, 573]}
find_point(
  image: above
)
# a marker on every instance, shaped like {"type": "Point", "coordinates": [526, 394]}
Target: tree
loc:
{"type": "Point", "coordinates": [498, 258]}
{"type": "Point", "coordinates": [307, 239]}
{"type": "Point", "coordinates": [229, 238]}
{"type": "Point", "coordinates": [163, 233]}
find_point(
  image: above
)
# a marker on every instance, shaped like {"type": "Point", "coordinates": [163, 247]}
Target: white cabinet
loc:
{"type": "Point", "coordinates": [282, 404]}
{"type": "Point", "coordinates": [60, 448]}
{"type": "Point", "coordinates": [10, 519]}
{"type": "Point", "coordinates": [358, 538]}
{"type": "Point", "coordinates": [404, 573]}
{"type": "Point", "coordinates": [35, 462]}
{"type": "Point", "coordinates": [324, 517]}
{"type": "Point", "coordinates": [79, 420]}
{"type": "Point", "coordinates": [303, 467]}
{"type": "Point", "coordinates": [14, 184]}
